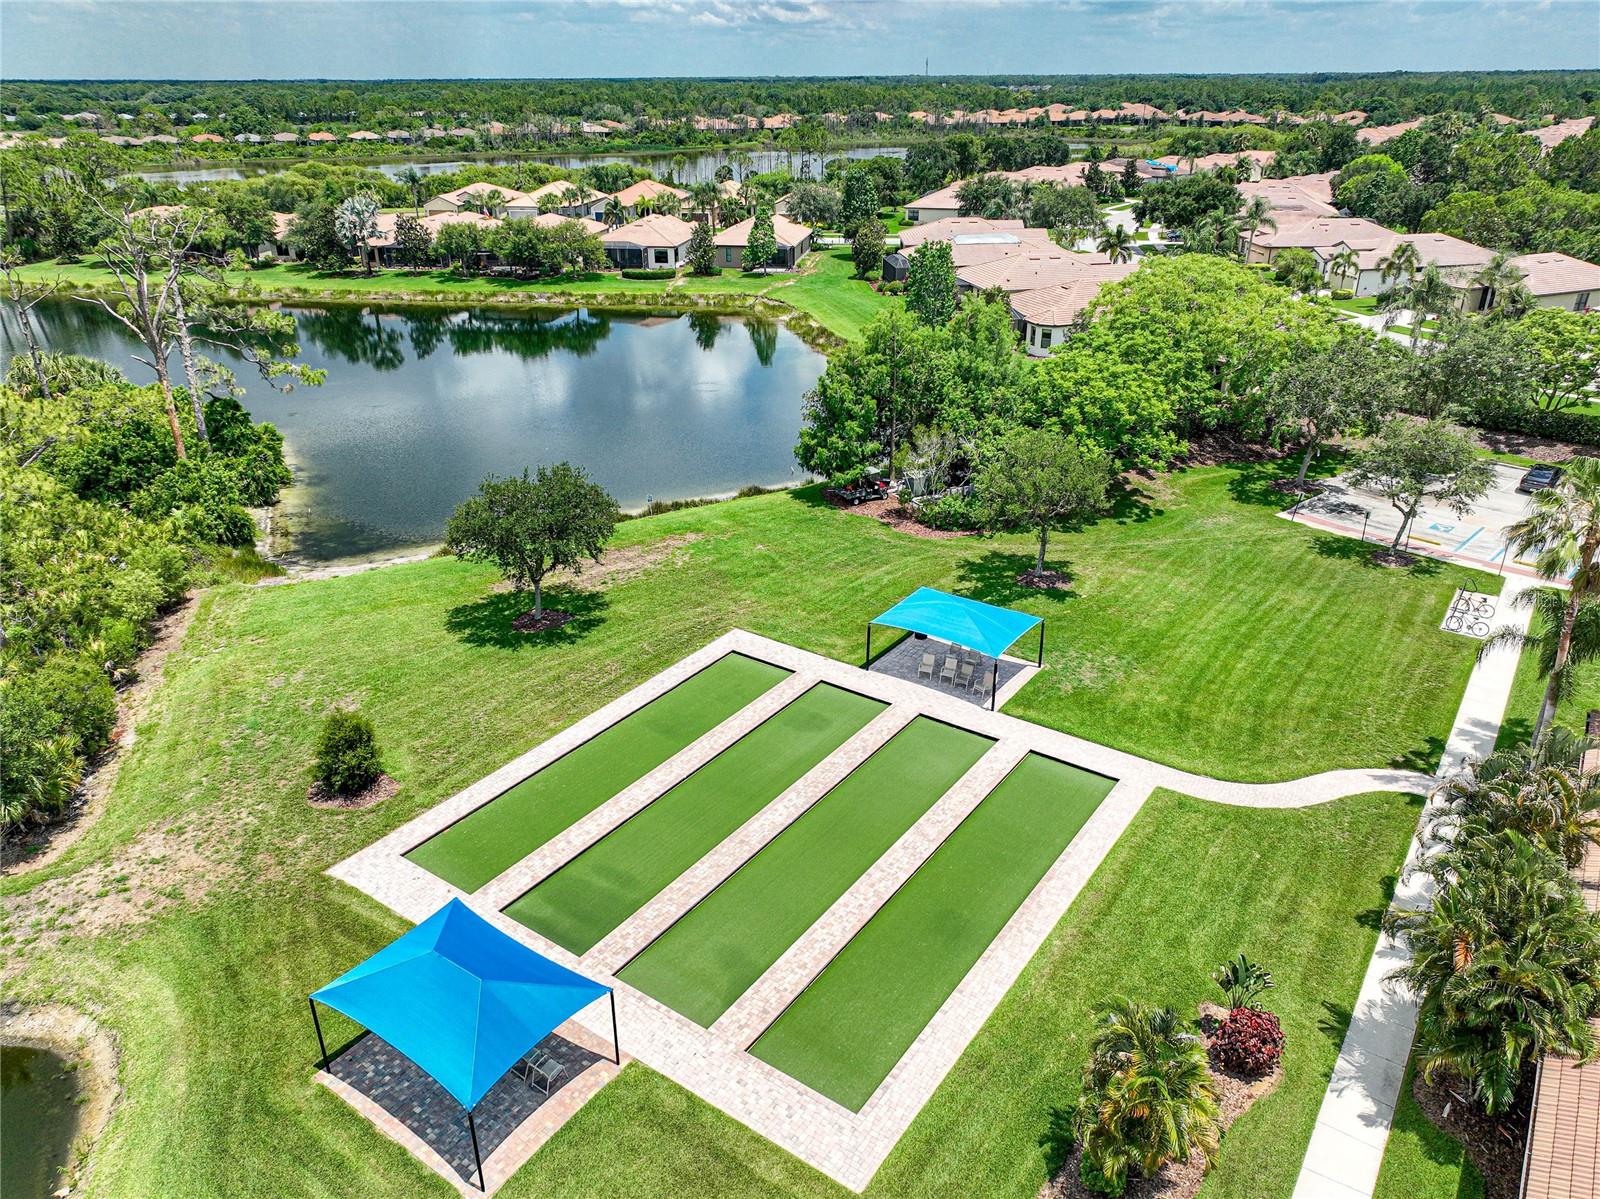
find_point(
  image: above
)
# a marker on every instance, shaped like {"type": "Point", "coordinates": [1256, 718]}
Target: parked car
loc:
{"type": "Point", "coordinates": [1538, 478]}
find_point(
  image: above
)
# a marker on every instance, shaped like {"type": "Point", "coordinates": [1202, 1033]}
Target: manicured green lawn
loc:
{"type": "Point", "coordinates": [589, 896]}
{"type": "Point", "coordinates": [713, 954]}
{"type": "Point", "coordinates": [1200, 629]}
{"type": "Point", "coordinates": [830, 293]}
{"type": "Point", "coordinates": [1363, 306]}
{"type": "Point", "coordinates": [844, 1033]}
{"type": "Point", "coordinates": [505, 830]}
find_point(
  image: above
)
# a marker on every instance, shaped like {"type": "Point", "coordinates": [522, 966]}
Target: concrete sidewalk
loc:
{"type": "Point", "coordinates": [1352, 1129]}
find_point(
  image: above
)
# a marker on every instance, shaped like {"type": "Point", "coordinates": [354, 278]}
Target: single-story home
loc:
{"type": "Point", "coordinates": [277, 244]}
{"type": "Point", "coordinates": [286, 137]}
{"type": "Point", "coordinates": [635, 194]}
{"type": "Point", "coordinates": [207, 137]}
{"type": "Point", "coordinates": [1046, 316]}
{"type": "Point", "coordinates": [562, 197]}
{"type": "Point", "coordinates": [794, 243]}
{"type": "Point", "coordinates": [322, 135]}
{"type": "Point", "coordinates": [1295, 196]}
{"type": "Point", "coordinates": [549, 220]}
{"type": "Point", "coordinates": [1376, 135]}
{"type": "Point", "coordinates": [364, 135]}
{"type": "Point", "coordinates": [1322, 235]}
{"type": "Point", "coordinates": [935, 206]}
{"type": "Point", "coordinates": [975, 240]}
{"type": "Point", "coordinates": [657, 241]}
{"type": "Point", "coordinates": [1459, 261]}
{"type": "Point", "coordinates": [1560, 280]}
{"type": "Point", "coordinates": [474, 196]}
{"type": "Point", "coordinates": [379, 250]}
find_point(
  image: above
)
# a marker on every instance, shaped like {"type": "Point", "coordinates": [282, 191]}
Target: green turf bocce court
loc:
{"type": "Point", "coordinates": [823, 865]}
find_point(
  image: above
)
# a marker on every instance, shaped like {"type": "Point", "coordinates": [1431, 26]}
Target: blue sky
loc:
{"type": "Point", "coordinates": [356, 39]}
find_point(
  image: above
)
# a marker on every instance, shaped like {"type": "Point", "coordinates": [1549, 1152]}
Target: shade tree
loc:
{"type": "Point", "coordinates": [1410, 461]}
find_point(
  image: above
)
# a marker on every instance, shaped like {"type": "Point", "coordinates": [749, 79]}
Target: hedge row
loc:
{"type": "Point", "coordinates": [1578, 428]}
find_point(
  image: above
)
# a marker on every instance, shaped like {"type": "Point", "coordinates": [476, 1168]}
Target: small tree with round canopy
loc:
{"type": "Point", "coordinates": [530, 525]}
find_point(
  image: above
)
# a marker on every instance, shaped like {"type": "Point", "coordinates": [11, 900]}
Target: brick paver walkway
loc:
{"type": "Point", "coordinates": [713, 1063]}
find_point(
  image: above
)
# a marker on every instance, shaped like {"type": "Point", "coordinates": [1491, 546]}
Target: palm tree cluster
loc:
{"type": "Point", "coordinates": [1506, 959]}
{"type": "Point", "coordinates": [1147, 1099]}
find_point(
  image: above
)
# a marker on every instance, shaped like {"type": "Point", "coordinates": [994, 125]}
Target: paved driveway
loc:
{"type": "Point", "coordinates": [1476, 539]}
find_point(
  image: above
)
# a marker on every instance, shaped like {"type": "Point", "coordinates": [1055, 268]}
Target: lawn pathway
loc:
{"type": "Point", "coordinates": [1352, 1128]}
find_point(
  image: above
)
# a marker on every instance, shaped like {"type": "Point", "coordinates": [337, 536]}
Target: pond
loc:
{"type": "Point", "coordinates": [38, 1120]}
{"type": "Point", "coordinates": [702, 164]}
{"type": "Point", "coordinates": [421, 402]}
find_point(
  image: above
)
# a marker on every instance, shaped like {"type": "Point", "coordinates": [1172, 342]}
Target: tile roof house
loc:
{"type": "Point", "coordinates": [379, 250]}
{"type": "Point", "coordinates": [1321, 235]}
{"type": "Point", "coordinates": [285, 137]}
{"type": "Point", "coordinates": [1040, 268]}
{"type": "Point", "coordinates": [207, 137]}
{"type": "Point", "coordinates": [473, 195]}
{"type": "Point", "coordinates": [634, 194]}
{"type": "Point", "coordinates": [1297, 195]}
{"type": "Point", "coordinates": [794, 243]}
{"type": "Point", "coordinates": [550, 220]}
{"type": "Point", "coordinates": [322, 135]}
{"type": "Point", "coordinates": [1376, 135]}
{"type": "Point", "coordinates": [1459, 261]}
{"type": "Point", "coordinates": [561, 196]}
{"type": "Point", "coordinates": [1560, 281]}
{"type": "Point", "coordinates": [277, 245]}
{"type": "Point", "coordinates": [657, 241]}
{"type": "Point", "coordinates": [364, 135]}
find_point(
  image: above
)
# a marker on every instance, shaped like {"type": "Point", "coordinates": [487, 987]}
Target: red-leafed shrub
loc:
{"type": "Point", "coordinates": [1249, 1043]}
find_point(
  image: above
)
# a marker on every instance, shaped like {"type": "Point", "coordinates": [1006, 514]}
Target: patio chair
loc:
{"type": "Point", "coordinates": [981, 682]}
{"type": "Point", "coordinates": [965, 675]}
{"type": "Point", "coordinates": [948, 674]}
{"type": "Point", "coordinates": [543, 1070]}
{"type": "Point", "coordinates": [925, 670]}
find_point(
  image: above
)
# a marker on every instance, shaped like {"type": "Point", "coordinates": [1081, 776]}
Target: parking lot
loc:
{"type": "Point", "coordinates": [1476, 539]}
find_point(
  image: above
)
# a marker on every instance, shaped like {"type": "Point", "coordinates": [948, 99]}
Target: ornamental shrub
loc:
{"type": "Point", "coordinates": [634, 272]}
{"type": "Point", "coordinates": [952, 511]}
{"type": "Point", "coordinates": [1095, 1181]}
{"type": "Point", "coordinates": [1250, 1042]}
{"type": "Point", "coordinates": [347, 753]}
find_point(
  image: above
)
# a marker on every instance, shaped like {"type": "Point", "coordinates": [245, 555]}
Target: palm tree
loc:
{"type": "Point", "coordinates": [705, 196]}
{"type": "Point", "coordinates": [1562, 530]}
{"type": "Point", "coordinates": [414, 179]}
{"type": "Point", "coordinates": [1504, 960]}
{"type": "Point", "coordinates": [1116, 243]}
{"type": "Point", "coordinates": [613, 212]}
{"type": "Point", "coordinates": [1537, 789]}
{"type": "Point", "coordinates": [1346, 264]}
{"type": "Point", "coordinates": [1401, 262]}
{"type": "Point", "coordinates": [1147, 1093]}
{"type": "Point", "coordinates": [1256, 215]}
{"type": "Point", "coordinates": [1504, 291]}
{"type": "Point", "coordinates": [1426, 294]}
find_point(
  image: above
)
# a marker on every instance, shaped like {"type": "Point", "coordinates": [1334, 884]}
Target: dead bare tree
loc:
{"type": "Point", "coordinates": [22, 294]}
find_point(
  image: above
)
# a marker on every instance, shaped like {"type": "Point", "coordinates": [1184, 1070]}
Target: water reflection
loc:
{"type": "Point", "coordinates": [422, 402]}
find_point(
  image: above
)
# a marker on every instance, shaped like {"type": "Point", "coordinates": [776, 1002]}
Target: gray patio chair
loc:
{"type": "Point", "coordinates": [948, 674]}
{"type": "Point", "coordinates": [925, 670]}
{"type": "Point", "coordinates": [543, 1070]}
{"type": "Point", "coordinates": [964, 676]}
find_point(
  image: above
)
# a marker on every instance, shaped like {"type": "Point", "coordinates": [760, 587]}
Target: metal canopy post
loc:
{"type": "Point", "coordinates": [616, 1046]}
{"type": "Point", "coordinates": [317, 1024]}
{"type": "Point", "coordinates": [867, 665]}
{"type": "Point", "coordinates": [994, 684]}
{"type": "Point", "coordinates": [1040, 661]}
{"type": "Point", "coordinates": [472, 1127]}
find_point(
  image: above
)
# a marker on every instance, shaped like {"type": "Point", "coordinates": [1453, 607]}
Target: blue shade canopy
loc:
{"type": "Point", "coordinates": [460, 999]}
{"type": "Point", "coordinates": [956, 619]}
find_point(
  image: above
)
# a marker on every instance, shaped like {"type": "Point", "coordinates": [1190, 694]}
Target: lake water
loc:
{"type": "Point", "coordinates": [38, 1119]}
{"type": "Point", "coordinates": [420, 403]}
{"type": "Point", "coordinates": [702, 165]}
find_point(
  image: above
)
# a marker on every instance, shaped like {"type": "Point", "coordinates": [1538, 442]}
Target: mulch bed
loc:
{"type": "Point", "coordinates": [1217, 449]}
{"type": "Point", "coordinates": [1541, 449]}
{"type": "Point", "coordinates": [320, 797]}
{"type": "Point", "coordinates": [1493, 1144]}
{"type": "Point", "coordinates": [897, 516]}
{"type": "Point", "coordinates": [1045, 580]}
{"type": "Point", "coordinates": [1393, 558]}
{"type": "Point", "coordinates": [1178, 1180]}
{"type": "Point", "coordinates": [553, 618]}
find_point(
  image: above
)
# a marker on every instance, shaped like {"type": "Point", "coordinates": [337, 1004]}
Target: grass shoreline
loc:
{"type": "Point", "coordinates": [821, 302]}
